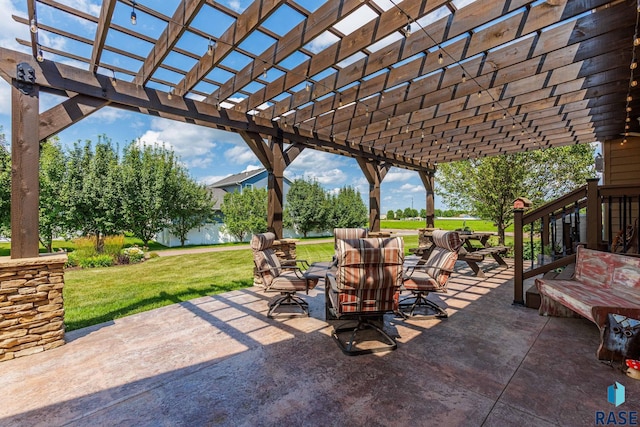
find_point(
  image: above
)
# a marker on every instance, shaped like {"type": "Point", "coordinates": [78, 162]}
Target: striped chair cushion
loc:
{"type": "Point", "coordinates": [449, 240]}
{"type": "Point", "coordinates": [348, 233]}
{"type": "Point", "coordinates": [260, 242]}
{"type": "Point", "coordinates": [433, 275]}
{"type": "Point", "coordinates": [369, 274]}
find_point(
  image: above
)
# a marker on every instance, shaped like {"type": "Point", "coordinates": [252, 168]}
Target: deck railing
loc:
{"type": "Point", "coordinates": [545, 238]}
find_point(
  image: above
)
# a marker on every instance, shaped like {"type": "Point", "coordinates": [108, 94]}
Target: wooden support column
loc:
{"type": "Point", "coordinates": [275, 159]}
{"type": "Point", "coordinates": [518, 258]}
{"type": "Point", "coordinates": [374, 172]}
{"type": "Point", "coordinates": [594, 214]}
{"type": "Point", "coordinates": [25, 161]}
{"type": "Point", "coordinates": [428, 181]}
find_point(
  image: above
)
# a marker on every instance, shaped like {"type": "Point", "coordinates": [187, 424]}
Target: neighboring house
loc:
{"type": "Point", "coordinates": [212, 233]}
{"type": "Point", "coordinates": [250, 179]}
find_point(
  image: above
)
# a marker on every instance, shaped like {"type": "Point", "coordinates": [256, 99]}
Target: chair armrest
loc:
{"type": "Point", "coordinates": [331, 282]}
{"type": "Point", "coordinates": [411, 269]}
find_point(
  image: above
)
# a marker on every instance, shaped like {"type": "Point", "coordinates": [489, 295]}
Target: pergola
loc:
{"type": "Point", "coordinates": [409, 83]}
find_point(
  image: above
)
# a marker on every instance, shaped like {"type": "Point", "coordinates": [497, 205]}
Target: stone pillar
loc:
{"type": "Point", "coordinates": [31, 305]}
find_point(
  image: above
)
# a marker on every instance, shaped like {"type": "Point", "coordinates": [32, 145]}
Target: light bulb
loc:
{"type": "Point", "coordinates": [307, 86]}
{"type": "Point", "coordinates": [629, 98]}
{"type": "Point", "coordinates": [40, 56]}
{"type": "Point", "coordinates": [636, 42]}
{"type": "Point", "coordinates": [493, 106]}
{"type": "Point", "coordinates": [464, 77]}
{"type": "Point", "coordinates": [366, 113]}
{"type": "Point", "coordinates": [210, 47]}
{"type": "Point", "coordinates": [634, 83]}
{"type": "Point", "coordinates": [479, 94]}
{"type": "Point", "coordinates": [33, 27]}
{"type": "Point", "coordinates": [633, 65]}
{"type": "Point", "coordinates": [170, 94]}
{"type": "Point", "coordinates": [264, 73]}
{"type": "Point", "coordinates": [407, 30]}
{"type": "Point", "coordinates": [440, 58]}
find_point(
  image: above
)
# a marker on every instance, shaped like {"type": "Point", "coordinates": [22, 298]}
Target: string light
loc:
{"type": "Point", "coordinates": [407, 30]}
{"type": "Point", "coordinates": [464, 78]}
{"type": "Point", "coordinates": [134, 18]}
{"type": "Point", "coordinates": [114, 81]}
{"type": "Point", "coordinates": [632, 81]}
{"type": "Point", "coordinates": [440, 58]}
{"type": "Point", "coordinates": [33, 26]}
{"type": "Point", "coordinates": [264, 73]}
{"type": "Point", "coordinates": [40, 56]}
{"type": "Point", "coordinates": [210, 47]}
{"type": "Point", "coordinates": [170, 94]}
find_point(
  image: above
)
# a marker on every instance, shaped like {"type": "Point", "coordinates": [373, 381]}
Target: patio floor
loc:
{"type": "Point", "coordinates": [219, 361]}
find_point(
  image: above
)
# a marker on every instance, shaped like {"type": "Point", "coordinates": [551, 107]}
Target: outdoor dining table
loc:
{"type": "Point", "coordinates": [468, 253]}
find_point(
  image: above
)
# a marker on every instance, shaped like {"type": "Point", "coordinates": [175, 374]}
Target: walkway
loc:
{"type": "Point", "coordinates": [219, 361]}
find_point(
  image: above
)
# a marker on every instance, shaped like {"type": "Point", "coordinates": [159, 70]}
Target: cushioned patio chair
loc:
{"type": "Point", "coordinates": [363, 287]}
{"type": "Point", "coordinates": [431, 275]}
{"type": "Point", "coordinates": [276, 277]}
{"type": "Point", "coordinates": [346, 233]}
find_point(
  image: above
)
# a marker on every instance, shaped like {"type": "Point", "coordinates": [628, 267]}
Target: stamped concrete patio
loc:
{"type": "Point", "coordinates": [219, 361]}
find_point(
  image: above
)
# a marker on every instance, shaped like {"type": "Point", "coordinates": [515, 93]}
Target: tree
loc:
{"type": "Point", "coordinates": [52, 206]}
{"type": "Point", "coordinates": [347, 210]}
{"type": "Point", "coordinates": [151, 184]}
{"type": "Point", "coordinates": [423, 213]}
{"type": "Point", "coordinates": [193, 206]}
{"type": "Point", "coordinates": [391, 215]}
{"type": "Point", "coordinates": [399, 214]}
{"type": "Point", "coordinates": [488, 186]}
{"type": "Point", "coordinates": [5, 186]}
{"type": "Point", "coordinates": [245, 212]}
{"type": "Point", "coordinates": [92, 191]}
{"type": "Point", "coordinates": [306, 207]}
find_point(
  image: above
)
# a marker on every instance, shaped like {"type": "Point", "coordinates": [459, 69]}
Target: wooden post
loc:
{"type": "Point", "coordinates": [276, 189]}
{"type": "Point", "coordinates": [275, 160]}
{"type": "Point", "coordinates": [594, 214]}
{"type": "Point", "coordinates": [374, 173]}
{"type": "Point", "coordinates": [518, 261]}
{"type": "Point", "coordinates": [25, 161]}
{"type": "Point", "coordinates": [428, 181]}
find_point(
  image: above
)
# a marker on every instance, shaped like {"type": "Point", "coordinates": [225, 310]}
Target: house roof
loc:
{"type": "Point", "coordinates": [237, 178]}
{"type": "Point", "coordinates": [407, 83]}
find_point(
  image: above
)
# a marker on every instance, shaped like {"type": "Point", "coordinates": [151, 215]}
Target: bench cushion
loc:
{"type": "Point", "coordinates": [580, 298]}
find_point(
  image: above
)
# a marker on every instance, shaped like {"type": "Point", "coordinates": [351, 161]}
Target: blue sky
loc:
{"type": "Point", "coordinates": [209, 154]}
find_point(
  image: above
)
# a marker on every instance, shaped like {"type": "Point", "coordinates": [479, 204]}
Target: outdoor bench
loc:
{"type": "Point", "coordinates": [603, 283]}
{"type": "Point", "coordinates": [473, 258]}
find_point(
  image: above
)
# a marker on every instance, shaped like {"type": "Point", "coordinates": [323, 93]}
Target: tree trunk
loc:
{"type": "Point", "coordinates": [501, 228]}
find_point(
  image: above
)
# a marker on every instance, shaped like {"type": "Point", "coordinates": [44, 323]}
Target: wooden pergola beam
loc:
{"type": "Point", "coordinates": [374, 172]}
{"type": "Point", "coordinates": [101, 33]}
{"type": "Point", "coordinates": [149, 101]}
{"type": "Point", "coordinates": [70, 111]}
{"type": "Point", "coordinates": [275, 158]}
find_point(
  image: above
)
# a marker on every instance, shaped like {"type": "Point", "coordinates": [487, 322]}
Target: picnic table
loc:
{"type": "Point", "coordinates": [472, 255]}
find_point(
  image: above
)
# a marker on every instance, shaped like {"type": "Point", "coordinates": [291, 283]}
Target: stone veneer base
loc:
{"type": "Point", "coordinates": [31, 305]}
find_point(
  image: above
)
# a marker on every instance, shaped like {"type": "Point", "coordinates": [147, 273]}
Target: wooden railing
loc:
{"type": "Point", "coordinates": [545, 238]}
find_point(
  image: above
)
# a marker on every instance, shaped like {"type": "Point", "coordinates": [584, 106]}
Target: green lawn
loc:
{"type": "Point", "coordinates": [445, 224]}
{"type": "Point", "coordinates": [99, 295]}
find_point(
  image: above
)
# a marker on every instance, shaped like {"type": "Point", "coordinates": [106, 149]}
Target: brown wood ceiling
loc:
{"type": "Point", "coordinates": [536, 74]}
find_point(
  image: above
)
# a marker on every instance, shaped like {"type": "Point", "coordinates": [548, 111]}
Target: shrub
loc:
{"type": "Point", "coordinates": [133, 255]}
{"type": "Point", "coordinates": [96, 261]}
{"type": "Point", "coordinates": [72, 259]}
{"type": "Point", "coordinates": [154, 255]}
{"type": "Point", "coordinates": [113, 245]}
{"type": "Point", "coordinates": [85, 247]}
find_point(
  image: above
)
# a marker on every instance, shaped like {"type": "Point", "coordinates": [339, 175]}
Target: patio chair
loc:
{"type": "Point", "coordinates": [346, 233]}
{"type": "Point", "coordinates": [431, 275]}
{"type": "Point", "coordinates": [364, 286]}
{"type": "Point", "coordinates": [276, 277]}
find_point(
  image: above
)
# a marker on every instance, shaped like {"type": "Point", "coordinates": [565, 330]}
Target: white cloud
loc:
{"type": "Point", "coordinates": [399, 175]}
{"type": "Point", "coordinates": [239, 155]}
{"type": "Point", "coordinates": [311, 159]}
{"type": "Point", "coordinates": [194, 144]}
{"type": "Point", "coordinates": [355, 20]}
{"type": "Point", "coordinates": [327, 176]}
{"type": "Point", "coordinates": [210, 179]}
{"type": "Point", "coordinates": [5, 97]}
{"type": "Point", "coordinates": [250, 168]}
{"type": "Point", "coordinates": [322, 42]}
{"type": "Point", "coordinates": [108, 115]}
{"type": "Point", "coordinates": [409, 188]}
{"type": "Point", "coordinates": [86, 6]}
{"type": "Point", "coordinates": [11, 29]}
